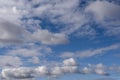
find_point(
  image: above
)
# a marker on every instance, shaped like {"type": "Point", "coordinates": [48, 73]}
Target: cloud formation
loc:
{"type": "Point", "coordinates": [26, 73]}
{"type": "Point", "coordinates": [10, 61]}
{"type": "Point", "coordinates": [73, 17]}
{"type": "Point", "coordinates": [55, 71]}
{"type": "Point", "coordinates": [103, 10]}
{"type": "Point", "coordinates": [90, 52]}
{"type": "Point", "coordinates": [30, 22]}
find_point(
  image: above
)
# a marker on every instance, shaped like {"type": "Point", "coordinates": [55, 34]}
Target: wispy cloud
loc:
{"type": "Point", "coordinates": [90, 52]}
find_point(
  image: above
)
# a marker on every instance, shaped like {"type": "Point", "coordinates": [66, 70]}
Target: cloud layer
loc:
{"type": "Point", "coordinates": [67, 67]}
{"type": "Point", "coordinates": [36, 25]}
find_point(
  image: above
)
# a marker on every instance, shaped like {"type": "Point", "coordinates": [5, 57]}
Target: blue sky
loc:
{"type": "Point", "coordinates": [59, 39]}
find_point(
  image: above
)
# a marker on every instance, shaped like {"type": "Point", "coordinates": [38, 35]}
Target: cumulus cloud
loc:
{"type": "Point", "coordinates": [104, 9]}
{"type": "Point", "coordinates": [47, 37]}
{"type": "Point", "coordinates": [86, 70]}
{"type": "Point", "coordinates": [25, 72]}
{"type": "Point", "coordinates": [55, 71]}
{"type": "Point", "coordinates": [107, 14]}
{"type": "Point", "coordinates": [17, 73]}
{"type": "Point", "coordinates": [72, 17]}
{"type": "Point", "coordinates": [35, 60]}
{"type": "Point", "coordinates": [70, 62]}
{"type": "Point", "coordinates": [10, 61]}
{"type": "Point", "coordinates": [100, 69]}
{"type": "Point", "coordinates": [20, 22]}
{"type": "Point", "coordinates": [11, 32]}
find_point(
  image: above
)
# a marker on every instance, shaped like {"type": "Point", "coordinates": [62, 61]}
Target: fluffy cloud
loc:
{"type": "Point", "coordinates": [17, 73]}
{"type": "Point", "coordinates": [20, 22]}
{"type": "Point", "coordinates": [11, 32]}
{"type": "Point", "coordinates": [86, 70]}
{"type": "Point", "coordinates": [104, 9]}
{"type": "Point", "coordinates": [44, 71]}
{"type": "Point", "coordinates": [107, 14]}
{"type": "Point", "coordinates": [72, 16]}
{"type": "Point", "coordinates": [47, 37]}
{"type": "Point", "coordinates": [35, 60]}
{"type": "Point", "coordinates": [99, 69]}
{"type": "Point", "coordinates": [10, 61]}
{"type": "Point", "coordinates": [70, 62]}
{"type": "Point", "coordinates": [26, 73]}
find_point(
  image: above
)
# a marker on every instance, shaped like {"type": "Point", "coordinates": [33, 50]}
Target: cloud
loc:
{"type": "Point", "coordinates": [86, 70]}
{"type": "Point", "coordinates": [11, 32]}
{"type": "Point", "coordinates": [54, 71]}
{"type": "Point", "coordinates": [70, 62]}
{"type": "Point", "coordinates": [42, 71]}
{"type": "Point", "coordinates": [31, 50]}
{"type": "Point", "coordinates": [26, 73]}
{"type": "Point", "coordinates": [104, 9]}
{"type": "Point", "coordinates": [72, 17]}
{"type": "Point", "coordinates": [99, 69]}
{"type": "Point", "coordinates": [67, 54]}
{"type": "Point", "coordinates": [20, 22]}
{"type": "Point", "coordinates": [35, 60]}
{"type": "Point", "coordinates": [90, 52]}
{"type": "Point", "coordinates": [24, 52]}
{"type": "Point", "coordinates": [17, 73]}
{"type": "Point", "coordinates": [46, 37]}
{"type": "Point", "coordinates": [106, 14]}
{"type": "Point", "coordinates": [10, 61]}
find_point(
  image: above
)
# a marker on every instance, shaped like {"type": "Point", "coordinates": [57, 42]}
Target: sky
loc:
{"type": "Point", "coordinates": [59, 39]}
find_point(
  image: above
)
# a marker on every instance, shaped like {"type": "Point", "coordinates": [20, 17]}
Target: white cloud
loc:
{"type": "Point", "coordinates": [67, 54]}
{"type": "Point", "coordinates": [90, 52]}
{"type": "Point", "coordinates": [47, 71]}
{"type": "Point", "coordinates": [31, 50]}
{"type": "Point", "coordinates": [100, 69]}
{"type": "Point", "coordinates": [10, 32]}
{"type": "Point", "coordinates": [49, 38]}
{"type": "Point", "coordinates": [40, 71]}
{"type": "Point", "coordinates": [17, 73]}
{"type": "Point", "coordinates": [17, 25]}
{"type": "Point", "coordinates": [25, 52]}
{"type": "Point", "coordinates": [104, 9]}
{"type": "Point", "coordinates": [10, 61]}
{"type": "Point", "coordinates": [35, 60]}
{"type": "Point", "coordinates": [107, 15]}
{"type": "Point", "coordinates": [58, 12]}
{"type": "Point", "coordinates": [86, 70]}
{"type": "Point", "coordinates": [14, 11]}
{"type": "Point", "coordinates": [70, 62]}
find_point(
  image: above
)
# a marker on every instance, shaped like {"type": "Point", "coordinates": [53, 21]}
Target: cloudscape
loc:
{"type": "Point", "coordinates": [59, 39]}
